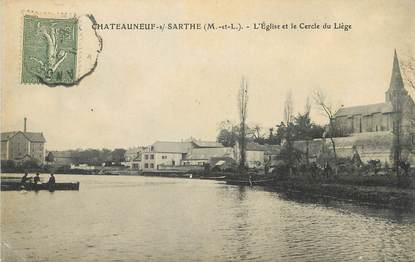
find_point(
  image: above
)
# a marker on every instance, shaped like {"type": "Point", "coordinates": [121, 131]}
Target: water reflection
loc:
{"type": "Point", "coordinates": [161, 219]}
{"type": "Point", "coordinates": [398, 215]}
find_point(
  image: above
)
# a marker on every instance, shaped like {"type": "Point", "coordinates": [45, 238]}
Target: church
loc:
{"type": "Point", "coordinates": [381, 116]}
{"type": "Point", "coordinates": [382, 131]}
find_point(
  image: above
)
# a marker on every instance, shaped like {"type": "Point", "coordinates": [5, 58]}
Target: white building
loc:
{"type": "Point", "coordinates": [163, 153]}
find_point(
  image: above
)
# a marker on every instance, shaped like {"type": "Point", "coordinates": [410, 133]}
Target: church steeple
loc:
{"type": "Point", "coordinates": [396, 84]}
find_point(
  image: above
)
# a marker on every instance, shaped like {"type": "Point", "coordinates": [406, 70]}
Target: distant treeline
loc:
{"type": "Point", "coordinates": [301, 128]}
{"type": "Point", "coordinates": [93, 157]}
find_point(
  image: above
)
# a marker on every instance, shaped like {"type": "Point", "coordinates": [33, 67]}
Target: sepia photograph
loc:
{"type": "Point", "coordinates": [194, 130]}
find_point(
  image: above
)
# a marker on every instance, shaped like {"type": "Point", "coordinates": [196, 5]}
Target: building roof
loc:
{"type": "Point", "coordinates": [365, 109]}
{"type": "Point", "coordinates": [209, 144]}
{"type": "Point", "coordinates": [171, 147]}
{"type": "Point", "coordinates": [35, 137]}
{"type": "Point", "coordinates": [31, 136]}
{"type": "Point", "coordinates": [208, 153]}
{"type": "Point", "coordinates": [7, 135]}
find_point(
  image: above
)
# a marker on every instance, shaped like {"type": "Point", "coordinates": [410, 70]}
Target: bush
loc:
{"type": "Point", "coordinates": [30, 164]}
{"type": "Point", "coordinates": [8, 164]}
{"type": "Point", "coordinates": [281, 171]}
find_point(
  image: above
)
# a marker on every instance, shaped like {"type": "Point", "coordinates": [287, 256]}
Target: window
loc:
{"type": "Point", "coordinates": [151, 165]}
{"type": "Point", "coordinates": [163, 157]}
{"type": "Point", "coordinates": [145, 165]}
{"type": "Point", "coordinates": [146, 157]}
{"type": "Point", "coordinates": [151, 156]}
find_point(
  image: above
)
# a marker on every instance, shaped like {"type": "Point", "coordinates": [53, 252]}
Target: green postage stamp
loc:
{"type": "Point", "coordinates": [49, 50]}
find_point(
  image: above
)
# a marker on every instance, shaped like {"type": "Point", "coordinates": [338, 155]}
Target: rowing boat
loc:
{"type": "Point", "coordinates": [17, 186]}
{"type": "Point", "coordinates": [213, 177]}
{"type": "Point", "coordinates": [261, 182]}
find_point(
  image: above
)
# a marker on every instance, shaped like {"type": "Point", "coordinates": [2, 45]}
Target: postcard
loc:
{"type": "Point", "coordinates": [207, 130]}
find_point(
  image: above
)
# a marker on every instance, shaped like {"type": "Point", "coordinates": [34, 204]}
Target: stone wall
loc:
{"type": "Point", "coordinates": [369, 146]}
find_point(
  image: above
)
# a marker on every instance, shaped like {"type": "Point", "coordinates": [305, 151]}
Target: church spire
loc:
{"type": "Point", "coordinates": [396, 78]}
{"type": "Point", "coordinates": [396, 84]}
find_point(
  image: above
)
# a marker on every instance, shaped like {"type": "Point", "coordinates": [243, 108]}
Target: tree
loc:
{"type": "Point", "coordinates": [8, 164]}
{"type": "Point", "coordinates": [329, 110]}
{"type": "Point", "coordinates": [243, 107]}
{"type": "Point", "coordinates": [105, 155]}
{"type": "Point", "coordinates": [118, 155]}
{"type": "Point", "coordinates": [228, 133]}
{"type": "Point", "coordinates": [256, 134]}
{"type": "Point", "coordinates": [305, 130]}
{"type": "Point", "coordinates": [91, 156]}
{"type": "Point", "coordinates": [30, 164]}
{"type": "Point", "coordinates": [288, 152]}
{"type": "Point", "coordinates": [50, 158]}
{"type": "Point", "coordinates": [288, 108]}
{"type": "Point", "coordinates": [273, 139]}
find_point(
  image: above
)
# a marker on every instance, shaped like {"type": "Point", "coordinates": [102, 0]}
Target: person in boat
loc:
{"type": "Point", "coordinates": [51, 179]}
{"type": "Point", "coordinates": [25, 178]}
{"type": "Point", "coordinates": [36, 179]}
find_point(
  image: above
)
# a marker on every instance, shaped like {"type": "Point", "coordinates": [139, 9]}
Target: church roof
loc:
{"type": "Point", "coordinates": [365, 109]}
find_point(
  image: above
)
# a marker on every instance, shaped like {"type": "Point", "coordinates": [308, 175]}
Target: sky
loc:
{"type": "Point", "coordinates": [172, 85]}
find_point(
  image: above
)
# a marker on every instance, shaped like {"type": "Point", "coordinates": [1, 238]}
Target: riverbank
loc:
{"type": "Point", "coordinates": [391, 197]}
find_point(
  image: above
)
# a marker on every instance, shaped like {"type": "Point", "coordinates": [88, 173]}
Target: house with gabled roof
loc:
{"type": "Point", "coordinates": [202, 155]}
{"type": "Point", "coordinates": [162, 154]}
{"type": "Point", "coordinates": [22, 145]}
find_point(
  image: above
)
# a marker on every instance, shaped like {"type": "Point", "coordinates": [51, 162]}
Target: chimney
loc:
{"type": "Point", "coordinates": [25, 120]}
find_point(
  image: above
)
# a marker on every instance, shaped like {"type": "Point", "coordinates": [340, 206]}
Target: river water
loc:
{"type": "Point", "coordinates": [166, 219]}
